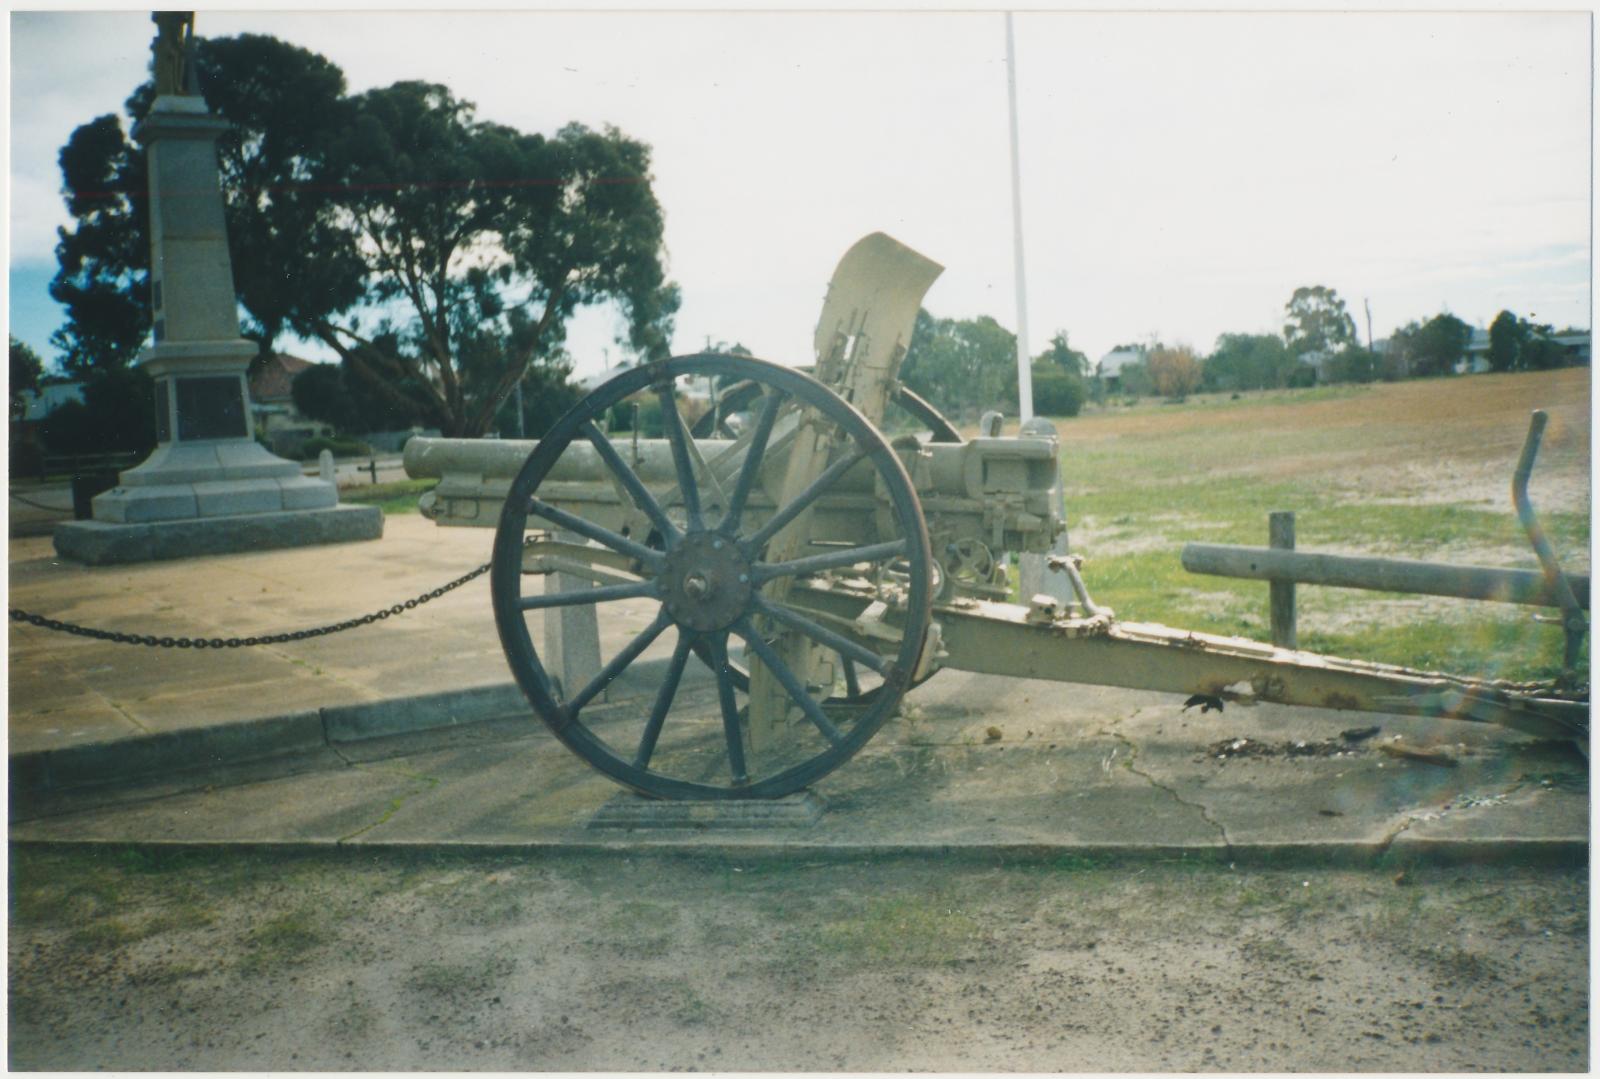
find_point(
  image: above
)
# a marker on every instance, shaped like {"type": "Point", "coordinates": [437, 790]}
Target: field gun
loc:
{"type": "Point", "coordinates": [819, 568]}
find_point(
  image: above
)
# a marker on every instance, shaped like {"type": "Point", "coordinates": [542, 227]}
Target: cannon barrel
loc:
{"type": "Point", "coordinates": [994, 489]}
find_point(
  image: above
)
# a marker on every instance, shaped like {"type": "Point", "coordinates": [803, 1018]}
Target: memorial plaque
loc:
{"type": "Point", "coordinates": [210, 408]}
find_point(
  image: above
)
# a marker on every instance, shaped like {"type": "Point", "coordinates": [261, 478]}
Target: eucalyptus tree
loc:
{"type": "Point", "coordinates": [439, 255]}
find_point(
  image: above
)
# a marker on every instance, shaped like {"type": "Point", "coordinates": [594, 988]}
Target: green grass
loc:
{"type": "Point", "coordinates": [912, 929]}
{"type": "Point", "coordinates": [1142, 490]}
{"type": "Point", "coordinates": [283, 940]}
{"type": "Point", "coordinates": [453, 977]}
{"type": "Point", "coordinates": [393, 498]}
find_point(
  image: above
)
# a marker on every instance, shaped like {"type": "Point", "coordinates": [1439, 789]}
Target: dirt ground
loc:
{"type": "Point", "coordinates": [1435, 441]}
{"type": "Point", "coordinates": [232, 961]}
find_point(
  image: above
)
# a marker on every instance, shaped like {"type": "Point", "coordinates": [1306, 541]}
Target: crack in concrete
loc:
{"type": "Point", "coordinates": [1416, 816]}
{"type": "Point", "coordinates": [1131, 765]}
{"type": "Point", "coordinates": [111, 703]}
{"type": "Point", "coordinates": [396, 803]}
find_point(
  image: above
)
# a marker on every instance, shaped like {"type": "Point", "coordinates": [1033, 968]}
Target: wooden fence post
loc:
{"type": "Point", "coordinates": [1280, 534]}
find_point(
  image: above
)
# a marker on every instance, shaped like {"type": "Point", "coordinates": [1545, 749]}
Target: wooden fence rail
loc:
{"type": "Point", "coordinates": [1285, 567]}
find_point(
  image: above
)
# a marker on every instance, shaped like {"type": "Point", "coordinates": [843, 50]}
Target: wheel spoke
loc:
{"type": "Point", "coordinates": [803, 500]}
{"type": "Point", "coordinates": [574, 597]}
{"type": "Point", "coordinates": [618, 663]}
{"type": "Point", "coordinates": [730, 711]}
{"type": "Point", "coordinates": [786, 678]}
{"type": "Point", "coordinates": [852, 684]}
{"type": "Point", "coordinates": [876, 552]}
{"type": "Point", "coordinates": [680, 456]}
{"type": "Point", "coordinates": [751, 469]}
{"type": "Point", "coordinates": [841, 644]}
{"type": "Point", "coordinates": [630, 479]}
{"type": "Point", "coordinates": [658, 713]}
{"type": "Point", "coordinates": [598, 533]}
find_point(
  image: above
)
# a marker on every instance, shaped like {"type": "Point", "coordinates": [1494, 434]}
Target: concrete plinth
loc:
{"type": "Point", "coordinates": [100, 543]}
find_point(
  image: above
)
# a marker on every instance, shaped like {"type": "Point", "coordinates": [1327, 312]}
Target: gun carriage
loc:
{"type": "Point", "coordinates": [817, 568]}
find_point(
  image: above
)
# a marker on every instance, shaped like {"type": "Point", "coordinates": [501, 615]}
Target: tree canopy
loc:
{"type": "Point", "coordinates": [1505, 341]}
{"type": "Point", "coordinates": [1515, 344]}
{"type": "Point", "coordinates": [1250, 361]}
{"type": "Point", "coordinates": [103, 275]}
{"type": "Point", "coordinates": [1060, 354]}
{"type": "Point", "coordinates": [439, 255]}
{"type": "Point", "coordinates": [1432, 347]}
{"type": "Point", "coordinates": [1317, 321]}
{"type": "Point", "coordinates": [962, 366]}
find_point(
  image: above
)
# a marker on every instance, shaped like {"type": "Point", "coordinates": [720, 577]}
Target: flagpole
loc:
{"type": "Point", "coordinates": [1024, 372]}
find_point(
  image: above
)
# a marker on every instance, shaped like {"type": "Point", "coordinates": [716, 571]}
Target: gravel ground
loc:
{"type": "Point", "coordinates": [124, 959]}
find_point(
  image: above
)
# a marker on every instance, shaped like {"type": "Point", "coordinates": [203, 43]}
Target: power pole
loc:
{"type": "Point", "coordinates": [1368, 305]}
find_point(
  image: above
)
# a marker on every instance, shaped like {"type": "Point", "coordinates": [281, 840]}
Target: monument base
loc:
{"type": "Point", "coordinates": [101, 543]}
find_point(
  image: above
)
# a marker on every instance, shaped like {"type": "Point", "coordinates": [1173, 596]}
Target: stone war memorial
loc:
{"type": "Point", "coordinates": [209, 487]}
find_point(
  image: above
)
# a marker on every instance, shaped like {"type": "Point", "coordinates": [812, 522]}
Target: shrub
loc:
{"type": "Point", "coordinates": [1057, 392]}
{"type": "Point", "coordinates": [649, 416]}
{"type": "Point", "coordinates": [1174, 371]}
{"type": "Point", "coordinates": [1353, 365]}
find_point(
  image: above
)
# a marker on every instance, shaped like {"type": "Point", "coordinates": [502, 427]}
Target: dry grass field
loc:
{"type": "Point", "coordinates": [1416, 469]}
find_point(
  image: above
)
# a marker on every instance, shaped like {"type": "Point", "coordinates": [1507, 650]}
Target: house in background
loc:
{"type": "Point", "coordinates": [277, 421]}
{"type": "Point", "coordinates": [1575, 345]}
{"type": "Point", "coordinates": [1318, 359]}
{"type": "Point", "coordinates": [1476, 360]}
{"type": "Point", "coordinates": [37, 404]}
{"type": "Point", "coordinates": [1109, 368]}
{"type": "Point", "coordinates": [29, 411]}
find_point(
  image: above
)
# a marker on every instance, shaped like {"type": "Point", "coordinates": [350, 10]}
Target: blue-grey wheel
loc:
{"type": "Point", "coordinates": [701, 567]}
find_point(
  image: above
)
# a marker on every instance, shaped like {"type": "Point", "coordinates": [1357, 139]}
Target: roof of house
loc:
{"type": "Point", "coordinates": [272, 381]}
{"type": "Point", "coordinates": [1112, 363]}
{"type": "Point", "coordinates": [38, 404]}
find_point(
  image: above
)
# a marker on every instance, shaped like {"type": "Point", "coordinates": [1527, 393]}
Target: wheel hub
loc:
{"type": "Point", "coordinates": [706, 582]}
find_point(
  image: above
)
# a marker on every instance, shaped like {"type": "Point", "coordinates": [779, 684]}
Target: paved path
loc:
{"type": "Point", "coordinates": [35, 511]}
{"type": "Point", "coordinates": [367, 744]}
{"type": "Point", "coordinates": [68, 690]}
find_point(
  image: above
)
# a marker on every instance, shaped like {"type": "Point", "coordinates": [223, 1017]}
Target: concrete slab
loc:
{"type": "Point", "coordinates": [388, 734]}
{"type": "Point", "coordinates": [1133, 781]}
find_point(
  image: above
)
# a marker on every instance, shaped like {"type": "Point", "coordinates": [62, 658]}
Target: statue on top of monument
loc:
{"type": "Point", "coordinates": [174, 52]}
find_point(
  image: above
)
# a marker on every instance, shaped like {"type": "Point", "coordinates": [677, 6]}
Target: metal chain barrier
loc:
{"type": "Point", "coordinates": [18, 615]}
{"type": "Point", "coordinates": [40, 505]}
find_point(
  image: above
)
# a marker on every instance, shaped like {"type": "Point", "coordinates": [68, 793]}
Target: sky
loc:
{"type": "Point", "coordinates": [1182, 171]}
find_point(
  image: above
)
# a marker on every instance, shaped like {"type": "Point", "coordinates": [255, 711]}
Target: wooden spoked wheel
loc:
{"type": "Point", "coordinates": [705, 571]}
